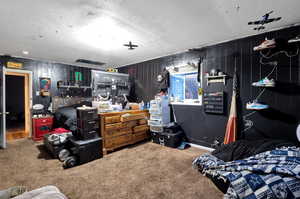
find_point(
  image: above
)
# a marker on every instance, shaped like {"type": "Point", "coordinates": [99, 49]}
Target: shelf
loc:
{"type": "Point", "coordinates": [216, 79]}
{"type": "Point", "coordinates": [68, 87]}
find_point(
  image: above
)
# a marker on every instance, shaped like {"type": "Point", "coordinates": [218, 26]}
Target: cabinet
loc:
{"type": "Point", "coordinates": [40, 127]}
{"type": "Point", "coordinates": [123, 128]}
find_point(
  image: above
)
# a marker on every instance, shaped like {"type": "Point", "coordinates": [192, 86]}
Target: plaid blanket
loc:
{"type": "Point", "coordinates": [271, 174]}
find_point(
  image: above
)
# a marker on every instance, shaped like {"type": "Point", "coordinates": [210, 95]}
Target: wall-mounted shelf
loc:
{"type": "Point", "coordinates": [69, 86]}
{"type": "Point", "coordinates": [216, 79]}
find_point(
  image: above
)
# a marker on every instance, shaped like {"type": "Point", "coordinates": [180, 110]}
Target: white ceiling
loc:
{"type": "Point", "coordinates": [66, 30]}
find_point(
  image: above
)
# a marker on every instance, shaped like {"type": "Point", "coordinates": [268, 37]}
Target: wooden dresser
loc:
{"type": "Point", "coordinates": [119, 129]}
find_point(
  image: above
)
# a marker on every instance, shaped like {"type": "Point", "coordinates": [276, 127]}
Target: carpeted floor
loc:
{"type": "Point", "coordinates": [145, 171]}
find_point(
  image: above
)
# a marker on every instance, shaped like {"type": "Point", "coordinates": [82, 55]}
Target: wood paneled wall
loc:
{"type": "Point", "coordinates": [279, 122]}
{"type": "Point", "coordinates": [55, 71]}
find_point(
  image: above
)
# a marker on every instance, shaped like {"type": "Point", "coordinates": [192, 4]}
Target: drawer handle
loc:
{"type": "Point", "coordinates": [92, 122]}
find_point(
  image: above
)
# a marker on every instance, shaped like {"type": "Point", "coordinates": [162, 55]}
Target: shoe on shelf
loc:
{"type": "Point", "coordinates": [266, 44]}
{"type": "Point", "coordinates": [256, 106]}
{"type": "Point", "coordinates": [265, 82]}
{"type": "Point", "coordinates": [295, 39]}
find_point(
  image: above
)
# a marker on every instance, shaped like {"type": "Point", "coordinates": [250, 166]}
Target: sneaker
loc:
{"type": "Point", "coordinates": [256, 106]}
{"type": "Point", "coordinates": [296, 39]}
{"type": "Point", "coordinates": [264, 83]}
{"type": "Point", "coordinates": [266, 44]}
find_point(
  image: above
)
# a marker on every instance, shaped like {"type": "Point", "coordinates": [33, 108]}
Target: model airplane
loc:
{"type": "Point", "coordinates": [131, 46]}
{"type": "Point", "coordinates": [265, 20]}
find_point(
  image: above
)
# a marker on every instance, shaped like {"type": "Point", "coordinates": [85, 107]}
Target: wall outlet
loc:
{"type": "Point", "coordinates": [37, 93]}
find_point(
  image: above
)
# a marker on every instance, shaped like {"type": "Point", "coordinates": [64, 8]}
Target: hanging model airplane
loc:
{"type": "Point", "coordinates": [265, 20]}
{"type": "Point", "coordinates": [131, 46]}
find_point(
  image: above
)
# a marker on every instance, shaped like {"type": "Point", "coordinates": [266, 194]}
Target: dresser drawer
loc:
{"type": "Point", "coordinates": [140, 128]}
{"type": "Point", "coordinates": [142, 121]}
{"type": "Point", "coordinates": [108, 143]}
{"type": "Point", "coordinates": [111, 127]}
{"type": "Point", "coordinates": [130, 124]}
{"type": "Point", "coordinates": [130, 117]}
{"type": "Point", "coordinates": [117, 132]}
{"type": "Point", "coordinates": [111, 120]}
{"type": "Point", "coordinates": [142, 135]}
{"type": "Point", "coordinates": [122, 140]}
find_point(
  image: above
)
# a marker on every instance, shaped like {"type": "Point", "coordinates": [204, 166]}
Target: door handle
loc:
{"type": "Point", "coordinates": [6, 113]}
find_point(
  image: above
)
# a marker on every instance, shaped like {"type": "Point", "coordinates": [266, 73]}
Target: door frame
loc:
{"type": "Point", "coordinates": [28, 96]}
{"type": "Point", "coordinates": [3, 142]}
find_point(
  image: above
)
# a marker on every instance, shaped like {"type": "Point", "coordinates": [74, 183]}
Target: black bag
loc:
{"type": "Point", "coordinates": [173, 129]}
{"type": "Point", "coordinates": [168, 139]}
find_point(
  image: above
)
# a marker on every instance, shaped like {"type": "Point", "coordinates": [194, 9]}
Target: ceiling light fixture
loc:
{"type": "Point", "coordinates": [104, 33]}
{"type": "Point", "coordinates": [25, 52]}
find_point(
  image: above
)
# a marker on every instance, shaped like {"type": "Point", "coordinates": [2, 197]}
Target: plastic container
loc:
{"type": "Point", "coordinates": [154, 123]}
{"type": "Point", "coordinates": [155, 111]}
{"type": "Point", "coordinates": [156, 117]}
{"type": "Point", "coordinates": [157, 128]}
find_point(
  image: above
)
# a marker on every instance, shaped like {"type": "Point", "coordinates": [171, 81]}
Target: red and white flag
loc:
{"type": "Point", "coordinates": [231, 129]}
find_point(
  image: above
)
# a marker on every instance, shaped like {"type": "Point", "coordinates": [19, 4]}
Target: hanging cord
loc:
{"type": "Point", "coordinates": [269, 55]}
{"type": "Point", "coordinates": [275, 63]}
{"type": "Point", "coordinates": [275, 66]}
{"type": "Point", "coordinates": [249, 123]}
{"type": "Point", "coordinates": [260, 94]}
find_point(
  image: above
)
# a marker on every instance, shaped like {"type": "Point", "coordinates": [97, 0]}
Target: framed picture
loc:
{"type": "Point", "coordinates": [45, 86]}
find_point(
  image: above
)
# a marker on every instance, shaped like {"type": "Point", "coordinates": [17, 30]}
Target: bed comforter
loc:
{"type": "Point", "coordinates": [271, 174]}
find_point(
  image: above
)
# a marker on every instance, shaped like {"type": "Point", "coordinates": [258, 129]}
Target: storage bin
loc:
{"type": "Point", "coordinates": [85, 135]}
{"type": "Point", "coordinates": [155, 111]}
{"type": "Point", "coordinates": [88, 125]}
{"type": "Point", "coordinates": [155, 104]}
{"type": "Point", "coordinates": [154, 123]}
{"type": "Point", "coordinates": [156, 128]}
{"type": "Point", "coordinates": [156, 117]}
{"type": "Point", "coordinates": [87, 113]}
{"type": "Point", "coordinates": [87, 150]}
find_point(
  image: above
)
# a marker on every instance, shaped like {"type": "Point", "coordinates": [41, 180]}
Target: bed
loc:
{"type": "Point", "coordinates": [264, 168]}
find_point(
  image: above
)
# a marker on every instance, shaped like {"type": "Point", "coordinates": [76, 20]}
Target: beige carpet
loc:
{"type": "Point", "coordinates": [145, 171]}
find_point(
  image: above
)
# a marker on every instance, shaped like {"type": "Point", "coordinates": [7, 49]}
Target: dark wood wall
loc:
{"type": "Point", "coordinates": [55, 71]}
{"type": "Point", "coordinates": [278, 122]}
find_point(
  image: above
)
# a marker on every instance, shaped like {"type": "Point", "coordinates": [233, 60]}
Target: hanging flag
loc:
{"type": "Point", "coordinates": [231, 129]}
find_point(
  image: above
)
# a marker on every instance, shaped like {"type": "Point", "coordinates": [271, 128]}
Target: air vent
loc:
{"type": "Point", "coordinates": [85, 61]}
